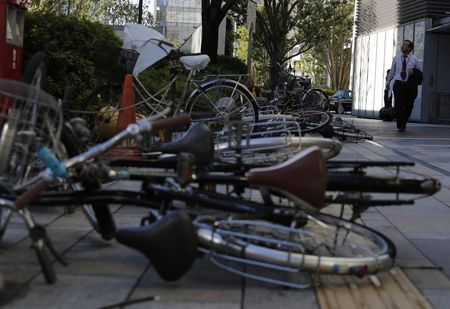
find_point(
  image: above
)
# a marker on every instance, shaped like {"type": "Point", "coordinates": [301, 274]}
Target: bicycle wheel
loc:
{"type": "Point", "coordinates": [346, 131]}
{"type": "Point", "coordinates": [36, 71]}
{"type": "Point", "coordinates": [315, 99]}
{"type": "Point", "coordinates": [45, 264]}
{"type": "Point", "coordinates": [220, 101]}
{"type": "Point", "coordinates": [29, 119]}
{"type": "Point", "coordinates": [320, 243]}
{"type": "Point", "coordinates": [313, 120]}
{"type": "Point", "coordinates": [98, 215]}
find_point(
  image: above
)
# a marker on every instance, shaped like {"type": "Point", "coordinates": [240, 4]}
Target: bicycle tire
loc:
{"type": "Point", "coordinates": [226, 97]}
{"type": "Point", "coordinates": [36, 113]}
{"type": "Point", "coordinates": [36, 71]}
{"type": "Point", "coordinates": [98, 215]}
{"type": "Point", "coordinates": [345, 135]}
{"type": "Point", "coordinates": [313, 120]}
{"type": "Point", "coordinates": [315, 99]}
{"type": "Point", "coordinates": [46, 265]}
{"type": "Point", "coordinates": [257, 245]}
{"type": "Point", "coordinates": [346, 131]}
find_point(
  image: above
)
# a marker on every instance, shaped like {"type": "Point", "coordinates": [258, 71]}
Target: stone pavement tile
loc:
{"type": "Point", "coordinates": [73, 291]}
{"type": "Point", "coordinates": [420, 225]}
{"type": "Point", "coordinates": [75, 220]}
{"type": "Point", "coordinates": [373, 218]}
{"type": "Point", "coordinates": [131, 210]}
{"type": "Point", "coordinates": [445, 181]}
{"type": "Point", "coordinates": [423, 205]}
{"type": "Point", "coordinates": [407, 254]}
{"type": "Point", "coordinates": [428, 278]}
{"type": "Point", "coordinates": [425, 170]}
{"type": "Point", "coordinates": [203, 284]}
{"type": "Point", "coordinates": [442, 195]}
{"type": "Point", "coordinates": [260, 296]}
{"type": "Point", "coordinates": [15, 277]}
{"type": "Point", "coordinates": [438, 251]}
{"type": "Point", "coordinates": [439, 298]}
{"type": "Point", "coordinates": [183, 305]}
{"type": "Point", "coordinates": [93, 256]}
{"type": "Point", "coordinates": [19, 263]}
{"type": "Point", "coordinates": [123, 185]}
{"type": "Point", "coordinates": [127, 220]}
{"type": "Point", "coordinates": [12, 236]}
{"type": "Point", "coordinates": [45, 215]}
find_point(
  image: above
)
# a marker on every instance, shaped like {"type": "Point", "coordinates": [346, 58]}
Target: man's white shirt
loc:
{"type": "Point", "coordinates": [396, 68]}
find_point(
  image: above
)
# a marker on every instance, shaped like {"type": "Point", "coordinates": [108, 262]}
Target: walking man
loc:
{"type": "Point", "coordinates": [401, 67]}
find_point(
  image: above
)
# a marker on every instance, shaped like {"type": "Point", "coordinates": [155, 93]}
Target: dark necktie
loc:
{"type": "Point", "coordinates": [403, 73]}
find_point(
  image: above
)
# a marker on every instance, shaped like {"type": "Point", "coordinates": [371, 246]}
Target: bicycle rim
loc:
{"type": "Point", "coordinates": [322, 243]}
{"type": "Point", "coordinates": [315, 99]}
{"type": "Point", "coordinates": [346, 131]}
{"type": "Point", "coordinates": [35, 71]}
{"type": "Point", "coordinates": [313, 120]}
{"type": "Point", "coordinates": [220, 102]}
{"type": "Point", "coordinates": [29, 119]}
{"type": "Point", "coordinates": [99, 216]}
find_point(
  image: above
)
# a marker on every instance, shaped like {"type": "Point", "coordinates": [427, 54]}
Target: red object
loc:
{"type": "Point", "coordinates": [127, 115]}
{"type": "Point", "coordinates": [127, 111]}
{"type": "Point", "coordinates": [12, 17]}
{"type": "Point", "coordinates": [125, 153]}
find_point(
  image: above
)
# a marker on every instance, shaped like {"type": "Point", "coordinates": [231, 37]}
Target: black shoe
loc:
{"type": "Point", "coordinates": [401, 129]}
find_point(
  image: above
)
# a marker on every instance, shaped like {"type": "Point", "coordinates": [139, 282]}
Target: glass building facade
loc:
{"type": "Point", "coordinates": [178, 19]}
{"type": "Point", "coordinates": [380, 28]}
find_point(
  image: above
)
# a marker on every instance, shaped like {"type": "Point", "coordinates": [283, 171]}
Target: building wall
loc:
{"type": "Point", "coordinates": [178, 19]}
{"type": "Point", "coordinates": [373, 54]}
{"type": "Point", "coordinates": [376, 15]}
{"type": "Point", "coordinates": [380, 27]}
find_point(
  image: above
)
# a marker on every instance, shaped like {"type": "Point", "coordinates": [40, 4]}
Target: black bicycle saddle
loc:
{"type": "Point", "coordinates": [198, 141]}
{"type": "Point", "coordinates": [170, 244]}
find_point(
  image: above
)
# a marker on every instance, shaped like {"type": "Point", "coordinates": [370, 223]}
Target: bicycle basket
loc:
{"type": "Point", "coordinates": [112, 63]}
{"type": "Point", "coordinates": [29, 119]}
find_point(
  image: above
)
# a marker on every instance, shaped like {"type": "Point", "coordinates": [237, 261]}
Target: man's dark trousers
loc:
{"type": "Point", "coordinates": [404, 103]}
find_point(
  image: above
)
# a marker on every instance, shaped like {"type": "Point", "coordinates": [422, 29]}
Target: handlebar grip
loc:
{"type": "Point", "coordinates": [29, 196]}
{"type": "Point", "coordinates": [177, 121]}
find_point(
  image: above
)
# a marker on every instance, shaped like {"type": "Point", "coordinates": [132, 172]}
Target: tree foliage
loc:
{"type": "Point", "coordinates": [111, 12]}
{"type": "Point", "coordinates": [80, 8]}
{"type": "Point", "coordinates": [335, 52]}
{"type": "Point", "coordinates": [125, 11]}
{"type": "Point", "coordinates": [68, 43]}
{"type": "Point", "coordinates": [242, 42]}
{"type": "Point", "coordinates": [239, 12]}
{"type": "Point", "coordinates": [282, 25]}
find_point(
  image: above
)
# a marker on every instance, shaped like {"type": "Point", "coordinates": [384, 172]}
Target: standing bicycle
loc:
{"type": "Point", "coordinates": [294, 93]}
{"type": "Point", "coordinates": [214, 101]}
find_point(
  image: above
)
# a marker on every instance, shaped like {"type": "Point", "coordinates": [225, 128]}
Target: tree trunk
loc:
{"type": "Point", "coordinates": [276, 66]}
{"type": "Point", "coordinates": [274, 73]}
{"type": "Point", "coordinates": [210, 39]}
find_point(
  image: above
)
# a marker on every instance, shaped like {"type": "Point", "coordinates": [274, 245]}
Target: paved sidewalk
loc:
{"type": "Point", "coordinates": [104, 273]}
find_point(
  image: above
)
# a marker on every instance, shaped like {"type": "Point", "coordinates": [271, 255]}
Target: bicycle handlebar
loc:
{"type": "Point", "coordinates": [173, 122]}
{"type": "Point", "coordinates": [142, 126]}
{"type": "Point", "coordinates": [35, 191]}
{"type": "Point", "coordinates": [145, 125]}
